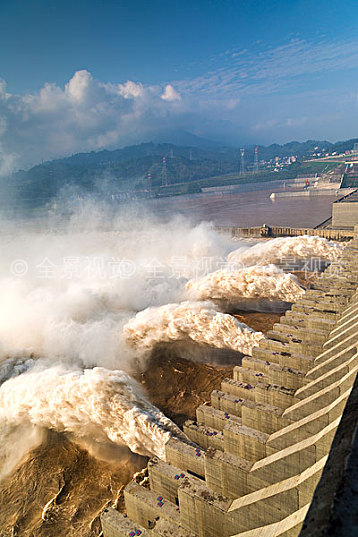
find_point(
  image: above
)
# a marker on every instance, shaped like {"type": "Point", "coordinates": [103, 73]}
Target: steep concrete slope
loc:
{"type": "Point", "coordinates": [255, 456]}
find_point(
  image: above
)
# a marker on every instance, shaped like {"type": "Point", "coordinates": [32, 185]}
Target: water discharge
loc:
{"type": "Point", "coordinates": [277, 250]}
{"type": "Point", "coordinates": [93, 403]}
{"type": "Point", "coordinates": [65, 364]}
{"type": "Point", "coordinates": [267, 282]}
{"type": "Point", "coordinates": [197, 322]}
{"type": "Point", "coordinates": [94, 301]}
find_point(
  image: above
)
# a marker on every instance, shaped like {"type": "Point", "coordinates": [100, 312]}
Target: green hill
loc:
{"type": "Point", "coordinates": [188, 169]}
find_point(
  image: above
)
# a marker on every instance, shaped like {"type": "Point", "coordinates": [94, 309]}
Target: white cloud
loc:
{"type": "Point", "coordinates": [296, 122]}
{"type": "Point", "coordinates": [241, 96]}
{"type": "Point", "coordinates": [8, 161]}
{"type": "Point", "coordinates": [265, 125]}
{"type": "Point", "coordinates": [265, 69]}
{"type": "Point", "coordinates": [85, 115]}
{"type": "Point", "coordinates": [170, 94]}
{"type": "Point", "coordinates": [79, 87]}
{"type": "Point", "coordinates": [130, 90]}
{"type": "Point", "coordinates": [232, 104]}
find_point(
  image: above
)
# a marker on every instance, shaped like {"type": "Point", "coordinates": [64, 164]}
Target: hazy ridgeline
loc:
{"type": "Point", "coordinates": [87, 299]}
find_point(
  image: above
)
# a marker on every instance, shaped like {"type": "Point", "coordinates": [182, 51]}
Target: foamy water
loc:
{"type": "Point", "coordinates": [189, 322]}
{"type": "Point", "coordinates": [62, 322]}
{"type": "Point", "coordinates": [70, 338]}
{"type": "Point", "coordinates": [95, 403]}
{"type": "Point", "coordinates": [276, 250]}
{"type": "Point", "coordinates": [268, 282]}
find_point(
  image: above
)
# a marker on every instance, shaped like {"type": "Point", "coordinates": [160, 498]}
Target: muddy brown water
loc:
{"type": "Point", "coordinates": [244, 209]}
{"type": "Point", "coordinates": [80, 485]}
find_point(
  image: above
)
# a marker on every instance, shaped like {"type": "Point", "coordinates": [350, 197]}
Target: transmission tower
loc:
{"type": "Point", "coordinates": [149, 183]}
{"type": "Point", "coordinates": [256, 159]}
{"type": "Point", "coordinates": [164, 172]}
{"type": "Point", "coordinates": [242, 162]}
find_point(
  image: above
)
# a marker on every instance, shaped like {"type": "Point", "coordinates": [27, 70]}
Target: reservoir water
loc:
{"type": "Point", "coordinates": [248, 205]}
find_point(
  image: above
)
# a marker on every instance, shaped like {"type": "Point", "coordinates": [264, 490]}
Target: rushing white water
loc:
{"type": "Point", "coordinates": [279, 250]}
{"type": "Point", "coordinates": [268, 282]}
{"type": "Point", "coordinates": [81, 307]}
{"type": "Point", "coordinates": [189, 322]}
{"type": "Point", "coordinates": [93, 403]}
{"type": "Point", "coordinates": [81, 287]}
{"type": "Point", "coordinates": [65, 297]}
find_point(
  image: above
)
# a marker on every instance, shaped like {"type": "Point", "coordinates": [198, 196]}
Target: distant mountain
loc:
{"type": "Point", "coordinates": [184, 138]}
{"type": "Point", "coordinates": [299, 149]}
{"type": "Point", "coordinates": [127, 168]}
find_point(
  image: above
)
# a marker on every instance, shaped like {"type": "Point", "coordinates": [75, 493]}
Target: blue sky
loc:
{"type": "Point", "coordinates": [87, 74]}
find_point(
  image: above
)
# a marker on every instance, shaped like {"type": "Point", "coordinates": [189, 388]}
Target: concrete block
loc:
{"type": "Point", "coordinates": [341, 334]}
{"type": "Point", "coordinates": [290, 526]}
{"type": "Point", "coordinates": [274, 395]}
{"type": "Point", "coordinates": [312, 424]}
{"type": "Point", "coordinates": [226, 473]}
{"type": "Point", "coordinates": [164, 528]}
{"type": "Point", "coordinates": [115, 524]}
{"type": "Point", "coordinates": [226, 402]}
{"type": "Point", "coordinates": [269, 373]}
{"type": "Point", "coordinates": [166, 479]}
{"type": "Point", "coordinates": [242, 390]}
{"type": "Point", "coordinates": [143, 506]}
{"type": "Point", "coordinates": [249, 376]}
{"type": "Point", "coordinates": [263, 417]}
{"type": "Point", "coordinates": [245, 442]}
{"type": "Point", "coordinates": [188, 458]}
{"type": "Point", "coordinates": [216, 419]}
{"type": "Point", "coordinates": [301, 334]}
{"type": "Point", "coordinates": [203, 511]}
{"type": "Point", "coordinates": [331, 350]}
{"type": "Point", "coordinates": [205, 437]}
{"type": "Point", "coordinates": [295, 361]}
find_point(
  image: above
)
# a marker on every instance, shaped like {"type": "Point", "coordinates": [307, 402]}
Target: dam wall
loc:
{"type": "Point", "coordinates": [286, 231]}
{"type": "Point", "coordinates": [255, 455]}
{"type": "Point", "coordinates": [345, 215]}
{"type": "Point", "coordinates": [334, 509]}
{"type": "Point", "coordinates": [308, 193]}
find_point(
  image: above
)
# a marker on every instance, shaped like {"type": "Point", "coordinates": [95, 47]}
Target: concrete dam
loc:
{"type": "Point", "coordinates": [255, 455]}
